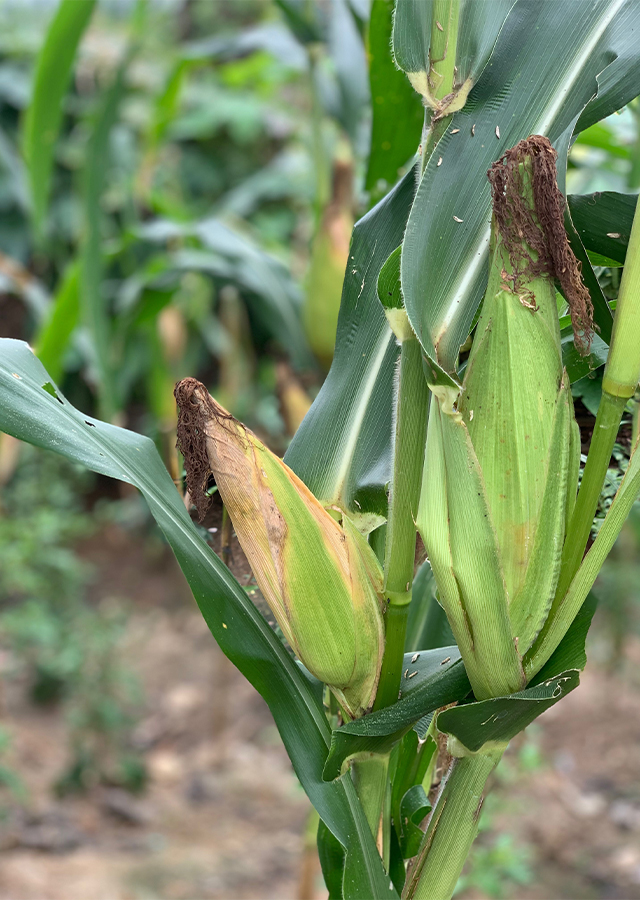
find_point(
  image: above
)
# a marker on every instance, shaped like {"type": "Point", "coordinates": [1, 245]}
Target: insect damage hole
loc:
{"type": "Point", "coordinates": [49, 388]}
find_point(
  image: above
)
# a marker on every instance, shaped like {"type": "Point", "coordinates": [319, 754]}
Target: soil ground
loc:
{"type": "Point", "coordinates": [223, 816]}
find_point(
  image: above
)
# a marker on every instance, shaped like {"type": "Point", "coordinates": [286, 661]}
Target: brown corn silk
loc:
{"type": "Point", "coordinates": [535, 239]}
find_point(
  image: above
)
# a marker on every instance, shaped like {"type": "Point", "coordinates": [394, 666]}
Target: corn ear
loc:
{"type": "Point", "coordinates": [503, 453]}
{"type": "Point", "coordinates": [322, 581]}
{"type": "Point", "coordinates": [456, 527]}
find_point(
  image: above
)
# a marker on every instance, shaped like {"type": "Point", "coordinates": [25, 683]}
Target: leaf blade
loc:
{"type": "Point", "coordinates": [44, 114]}
{"type": "Point", "coordinates": [35, 411]}
{"type": "Point", "coordinates": [444, 266]}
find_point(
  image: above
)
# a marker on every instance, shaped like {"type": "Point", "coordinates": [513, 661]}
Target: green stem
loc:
{"type": "Point", "coordinates": [442, 62]}
{"type": "Point", "coordinates": [452, 829]}
{"type": "Point", "coordinates": [619, 384]}
{"type": "Point", "coordinates": [409, 444]}
{"type": "Point", "coordinates": [604, 436]}
{"type": "Point", "coordinates": [444, 42]}
{"type": "Point", "coordinates": [622, 372]}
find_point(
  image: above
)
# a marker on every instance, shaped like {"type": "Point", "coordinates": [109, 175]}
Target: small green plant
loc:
{"type": "Point", "coordinates": [65, 650]}
{"type": "Point", "coordinates": [12, 787]}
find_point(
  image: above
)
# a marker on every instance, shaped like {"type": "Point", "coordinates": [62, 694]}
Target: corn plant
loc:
{"type": "Point", "coordinates": [448, 411]}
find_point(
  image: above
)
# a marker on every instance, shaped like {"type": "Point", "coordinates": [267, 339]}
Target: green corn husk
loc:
{"type": "Point", "coordinates": [501, 472]}
{"type": "Point", "coordinates": [322, 581]}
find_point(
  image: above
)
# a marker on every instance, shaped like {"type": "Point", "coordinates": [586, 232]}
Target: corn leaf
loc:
{"type": "Point", "coordinates": [34, 410]}
{"type": "Point", "coordinates": [603, 221]}
{"type": "Point", "coordinates": [332, 861]}
{"type": "Point", "coordinates": [578, 366]}
{"type": "Point", "coordinates": [568, 606]}
{"type": "Point", "coordinates": [440, 679]}
{"type": "Point", "coordinates": [413, 808]}
{"type": "Point", "coordinates": [397, 113]}
{"type": "Point", "coordinates": [427, 625]}
{"type": "Point", "coordinates": [479, 24]}
{"type": "Point", "coordinates": [53, 337]}
{"type": "Point", "coordinates": [549, 61]}
{"type": "Point", "coordinates": [502, 718]}
{"type": "Point", "coordinates": [44, 113]}
{"type": "Point", "coordinates": [602, 315]}
{"type": "Point", "coordinates": [266, 285]}
{"type": "Point", "coordinates": [94, 311]}
{"type": "Point", "coordinates": [342, 450]}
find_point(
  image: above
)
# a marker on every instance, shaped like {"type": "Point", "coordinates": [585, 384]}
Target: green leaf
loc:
{"type": "Point", "coordinates": [427, 625]}
{"type": "Point", "coordinates": [413, 808]}
{"type": "Point", "coordinates": [347, 54]}
{"type": "Point", "coordinates": [44, 114]}
{"type": "Point", "coordinates": [478, 26]}
{"type": "Point", "coordinates": [268, 288]}
{"type": "Point", "coordinates": [549, 61]}
{"type": "Point", "coordinates": [602, 315]}
{"type": "Point", "coordinates": [558, 624]}
{"type": "Point", "coordinates": [95, 313]}
{"type": "Point", "coordinates": [30, 412]}
{"type": "Point", "coordinates": [332, 861]}
{"type": "Point", "coordinates": [302, 19]}
{"type": "Point", "coordinates": [342, 450]}
{"type": "Point", "coordinates": [411, 38]}
{"type": "Point", "coordinates": [603, 221]}
{"type": "Point", "coordinates": [440, 679]}
{"type": "Point", "coordinates": [53, 338]}
{"type": "Point", "coordinates": [500, 719]}
{"type": "Point", "coordinates": [571, 653]}
{"type": "Point", "coordinates": [396, 863]}
{"type": "Point", "coordinates": [397, 112]}
{"type": "Point", "coordinates": [389, 291]}
{"type": "Point", "coordinates": [579, 366]}
{"type": "Point", "coordinates": [413, 758]}
{"type": "Point", "coordinates": [589, 390]}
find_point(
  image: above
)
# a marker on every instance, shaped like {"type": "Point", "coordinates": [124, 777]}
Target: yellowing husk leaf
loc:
{"type": "Point", "coordinates": [321, 581]}
{"type": "Point", "coordinates": [501, 466]}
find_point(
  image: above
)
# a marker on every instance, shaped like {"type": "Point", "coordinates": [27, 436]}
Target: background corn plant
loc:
{"type": "Point", "coordinates": [528, 67]}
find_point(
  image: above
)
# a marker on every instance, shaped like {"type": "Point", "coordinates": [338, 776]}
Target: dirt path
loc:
{"type": "Point", "coordinates": [223, 815]}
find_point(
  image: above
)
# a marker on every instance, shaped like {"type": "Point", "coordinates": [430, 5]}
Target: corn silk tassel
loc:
{"type": "Point", "coordinates": [321, 579]}
{"type": "Point", "coordinates": [503, 453]}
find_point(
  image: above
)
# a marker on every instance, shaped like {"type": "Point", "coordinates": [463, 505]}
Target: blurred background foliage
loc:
{"type": "Point", "coordinates": [177, 198]}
